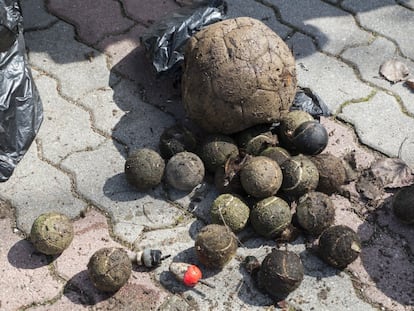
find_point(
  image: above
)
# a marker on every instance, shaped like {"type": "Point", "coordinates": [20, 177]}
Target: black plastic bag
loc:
{"type": "Point", "coordinates": [309, 101]}
{"type": "Point", "coordinates": [21, 110]}
{"type": "Point", "coordinates": [165, 41]}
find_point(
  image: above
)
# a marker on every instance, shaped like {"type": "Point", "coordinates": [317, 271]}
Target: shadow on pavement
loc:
{"type": "Point", "coordinates": [22, 255]}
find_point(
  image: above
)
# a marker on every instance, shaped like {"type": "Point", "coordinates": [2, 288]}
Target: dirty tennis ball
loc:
{"type": "Point", "coordinates": [310, 138]}
{"type": "Point", "coordinates": [176, 139]}
{"type": "Point", "coordinates": [215, 246]}
{"type": "Point", "coordinates": [288, 125]}
{"type": "Point", "coordinates": [270, 216]}
{"type": "Point", "coordinates": [51, 233]}
{"type": "Point", "coordinates": [260, 142]}
{"type": "Point", "coordinates": [243, 137]}
{"type": "Point", "coordinates": [184, 171]}
{"type": "Point", "coordinates": [403, 204]}
{"type": "Point", "coordinates": [281, 272]}
{"type": "Point", "coordinates": [231, 211]}
{"type": "Point", "coordinates": [216, 149]}
{"type": "Point", "coordinates": [261, 177]}
{"type": "Point", "coordinates": [277, 154]}
{"type": "Point", "coordinates": [300, 175]}
{"type": "Point", "coordinates": [339, 246]}
{"type": "Point", "coordinates": [332, 172]}
{"type": "Point", "coordinates": [109, 269]}
{"type": "Point", "coordinates": [315, 212]}
{"type": "Point", "coordinates": [231, 95]}
{"type": "Point", "coordinates": [144, 168]}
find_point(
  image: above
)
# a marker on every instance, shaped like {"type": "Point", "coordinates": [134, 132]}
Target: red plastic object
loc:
{"type": "Point", "coordinates": [192, 276]}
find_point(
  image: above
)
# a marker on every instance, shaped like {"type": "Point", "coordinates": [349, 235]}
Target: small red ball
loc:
{"type": "Point", "coordinates": [192, 276]}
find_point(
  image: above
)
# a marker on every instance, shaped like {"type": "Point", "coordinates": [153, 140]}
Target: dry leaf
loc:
{"type": "Point", "coordinates": [410, 83]}
{"type": "Point", "coordinates": [394, 70]}
{"type": "Point", "coordinates": [392, 173]}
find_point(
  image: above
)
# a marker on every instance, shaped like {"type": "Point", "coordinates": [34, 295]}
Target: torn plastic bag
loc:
{"type": "Point", "coordinates": [21, 110]}
{"type": "Point", "coordinates": [309, 101]}
{"type": "Point", "coordinates": [165, 41]}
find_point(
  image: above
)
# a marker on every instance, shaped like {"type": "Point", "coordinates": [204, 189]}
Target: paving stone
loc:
{"type": "Point", "coordinates": [407, 3]}
{"type": "Point", "coordinates": [66, 128]}
{"type": "Point", "coordinates": [334, 81]}
{"type": "Point", "coordinates": [78, 68]}
{"type": "Point", "coordinates": [92, 21]}
{"type": "Point", "coordinates": [334, 29]}
{"type": "Point", "coordinates": [37, 187]}
{"type": "Point", "coordinates": [385, 135]}
{"type": "Point", "coordinates": [35, 15]}
{"type": "Point", "coordinates": [368, 60]}
{"type": "Point", "coordinates": [386, 18]}
{"type": "Point", "coordinates": [407, 151]}
{"type": "Point", "coordinates": [149, 12]}
{"type": "Point", "coordinates": [104, 184]}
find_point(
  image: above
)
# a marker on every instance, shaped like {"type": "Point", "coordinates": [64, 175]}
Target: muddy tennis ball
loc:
{"type": "Point", "coordinates": [259, 143]}
{"type": "Point", "coordinates": [261, 177]}
{"type": "Point", "coordinates": [243, 137]}
{"type": "Point", "coordinates": [144, 169]}
{"type": "Point", "coordinates": [288, 125]}
{"type": "Point", "coordinates": [184, 171]}
{"type": "Point", "coordinates": [51, 233]}
{"type": "Point", "coordinates": [281, 273]}
{"type": "Point", "coordinates": [339, 246]}
{"type": "Point", "coordinates": [310, 138]}
{"type": "Point", "coordinates": [231, 211]}
{"type": "Point", "coordinates": [315, 212]}
{"type": "Point", "coordinates": [109, 269]}
{"type": "Point", "coordinates": [332, 172]}
{"type": "Point", "coordinates": [300, 175]}
{"type": "Point", "coordinates": [270, 216]}
{"type": "Point", "coordinates": [277, 154]}
{"type": "Point", "coordinates": [215, 246]}
{"type": "Point", "coordinates": [216, 149]}
{"type": "Point", "coordinates": [228, 184]}
{"type": "Point", "coordinates": [403, 205]}
{"type": "Point", "coordinates": [176, 139]}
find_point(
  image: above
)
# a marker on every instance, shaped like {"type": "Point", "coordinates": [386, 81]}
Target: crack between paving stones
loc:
{"type": "Point", "coordinates": [33, 29]}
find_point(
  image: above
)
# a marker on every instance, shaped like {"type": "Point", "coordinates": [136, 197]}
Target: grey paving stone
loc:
{"type": "Point", "coordinates": [380, 124]}
{"type": "Point", "coordinates": [66, 128]}
{"type": "Point", "coordinates": [35, 15]}
{"type": "Point", "coordinates": [100, 178]}
{"type": "Point", "coordinates": [78, 68]}
{"type": "Point", "coordinates": [334, 81]}
{"type": "Point", "coordinates": [334, 29]}
{"type": "Point", "coordinates": [386, 18]}
{"type": "Point", "coordinates": [368, 60]}
{"type": "Point", "coordinates": [407, 3]}
{"type": "Point", "coordinates": [251, 8]}
{"type": "Point", "coordinates": [37, 187]}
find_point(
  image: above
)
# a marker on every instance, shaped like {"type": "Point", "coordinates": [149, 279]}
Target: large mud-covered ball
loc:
{"type": "Point", "coordinates": [261, 177]}
{"type": "Point", "coordinates": [288, 125]}
{"type": "Point", "coordinates": [176, 139]}
{"type": "Point", "coordinates": [215, 246]}
{"type": "Point", "coordinates": [237, 73]}
{"type": "Point", "coordinates": [339, 246]}
{"type": "Point", "coordinates": [403, 205]}
{"type": "Point", "coordinates": [51, 233]}
{"type": "Point", "coordinates": [281, 273]}
{"type": "Point", "coordinates": [109, 269]}
{"type": "Point", "coordinates": [277, 154]}
{"type": "Point", "coordinates": [184, 171]}
{"type": "Point", "coordinates": [332, 172]}
{"type": "Point", "coordinates": [215, 150]}
{"type": "Point", "coordinates": [144, 168]}
{"type": "Point", "coordinates": [300, 175]}
{"type": "Point", "coordinates": [310, 137]}
{"type": "Point", "coordinates": [315, 212]}
{"type": "Point", "coordinates": [231, 211]}
{"type": "Point", "coordinates": [270, 216]}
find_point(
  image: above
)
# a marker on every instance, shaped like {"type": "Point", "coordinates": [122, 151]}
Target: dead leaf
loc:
{"type": "Point", "coordinates": [394, 71]}
{"type": "Point", "coordinates": [410, 83]}
{"type": "Point", "coordinates": [392, 173]}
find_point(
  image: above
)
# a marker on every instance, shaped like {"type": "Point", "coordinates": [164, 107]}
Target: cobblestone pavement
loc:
{"type": "Point", "coordinates": [101, 99]}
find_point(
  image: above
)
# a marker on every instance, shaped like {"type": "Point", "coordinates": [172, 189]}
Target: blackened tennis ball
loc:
{"type": "Point", "coordinates": [270, 216]}
{"type": "Point", "coordinates": [339, 246]}
{"type": "Point", "coordinates": [215, 246]}
{"type": "Point", "coordinates": [51, 233]}
{"type": "Point", "coordinates": [216, 149]}
{"type": "Point", "coordinates": [231, 211]}
{"type": "Point", "coordinates": [300, 175]}
{"type": "Point", "coordinates": [277, 154]}
{"type": "Point", "coordinates": [332, 172]}
{"type": "Point", "coordinates": [109, 269]}
{"type": "Point", "coordinates": [403, 204]}
{"type": "Point", "coordinates": [261, 177]}
{"type": "Point", "coordinates": [315, 212]}
{"type": "Point", "coordinates": [144, 168]}
{"type": "Point", "coordinates": [176, 139]}
{"type": "Point", "coordinates": [184, 171]}
{"type": "Point", "coordinates": [288, 125]}
{"type": "Point", "coordinates": [310, 138]}
{"type": "Point", "coordinates": [281, 273]}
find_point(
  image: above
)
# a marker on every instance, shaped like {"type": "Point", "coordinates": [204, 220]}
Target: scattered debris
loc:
{"type": "Point", "coordinates": [394, 71]}
{"type": "Point", "coordinates": [392, 173]}
{"type": "Point", "coordinates": [149, 258]}
{"type": "Point", "coordinates": [310, 102]}
{"type": "Point", "coordinates": [410, 83]}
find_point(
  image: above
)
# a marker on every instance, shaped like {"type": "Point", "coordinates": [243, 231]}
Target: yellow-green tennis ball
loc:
{"type": "Point", "coordinates": [230, 210]}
